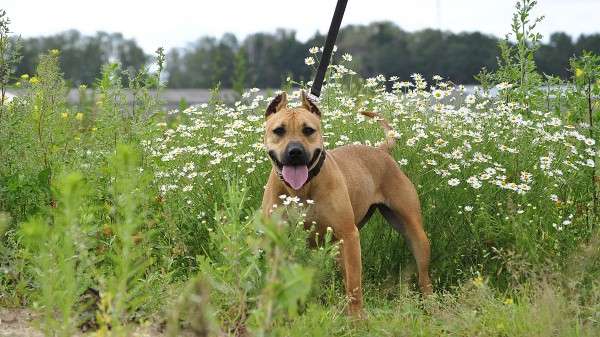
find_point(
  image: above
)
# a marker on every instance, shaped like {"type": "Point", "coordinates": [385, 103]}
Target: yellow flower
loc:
{"type": "Point", "coordinates": [79, 116]}
{"type": "Point", "coordinates": [94, 129]}
{"type": "Point", "coordinates": [478, 281]}
{"type": "Point", "coordinates": [24, 76]}
{"type": "Point", "coordinates": [579, 72]}
{"type": "Point", "coordinates": [508, 301]}
{"type": "Point", "coordinates": [34, 80]}
{"type": "Point", "coordinates": [65, 115]}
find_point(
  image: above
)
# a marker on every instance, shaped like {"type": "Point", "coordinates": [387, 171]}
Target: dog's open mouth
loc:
{"type": "Point", "coordinates": [295, 176]}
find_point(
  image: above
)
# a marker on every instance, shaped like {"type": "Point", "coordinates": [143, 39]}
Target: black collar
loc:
{"type": "Point", "coordinates": [314, 167]}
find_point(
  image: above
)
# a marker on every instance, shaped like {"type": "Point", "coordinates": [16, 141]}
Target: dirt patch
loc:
{"type": "Point", "coordinates": [20, 323]}
{"type": "Point", "coordinates": [17, 323]}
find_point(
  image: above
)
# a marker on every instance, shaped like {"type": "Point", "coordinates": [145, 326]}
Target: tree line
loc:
{"type": "Point", "coordinates": [267, 59]}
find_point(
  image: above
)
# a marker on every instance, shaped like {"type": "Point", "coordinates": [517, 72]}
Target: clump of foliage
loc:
{"type": "Point", "coordinates": [57, 251]}
{"type": "Point", "coordinates": [517, 64]}
{"type": "Point", "coordinates": [584, 107]}
{"type": "Point", "coordinates": [261, 271]}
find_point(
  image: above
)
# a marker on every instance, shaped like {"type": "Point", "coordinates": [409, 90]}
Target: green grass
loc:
{"type": "Point", "coordinates": [157, 212]}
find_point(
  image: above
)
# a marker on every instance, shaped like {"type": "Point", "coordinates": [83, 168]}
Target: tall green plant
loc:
{"type": "Point", "coordinates": [35, 139]}
{"type": "Point", "coordinates": [57, 252]}
{"type": "Point", "coordinates": [123, 290]}
{"type": "Point", "coordinates": [48, 96]}
{"type": "Point", "coordinates": [517, 75]}
{"type": "Point", "coordinates": [140, 82]}
{"type": "Point", "coordinates": [240, 74]}
{"type": "Point", "coordinates": [586, 78]}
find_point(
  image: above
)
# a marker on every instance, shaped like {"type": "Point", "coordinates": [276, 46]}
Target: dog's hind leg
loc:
{"type": "Point", "coordinates": [412, 231]}
{"type": "Point", "coordinates": [402, 211]}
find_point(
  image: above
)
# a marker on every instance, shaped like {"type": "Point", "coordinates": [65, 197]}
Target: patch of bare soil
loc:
{"type": "Point", "coordinates": [20, 323]}
{"type": "Point", "coordinates": [17, 323]}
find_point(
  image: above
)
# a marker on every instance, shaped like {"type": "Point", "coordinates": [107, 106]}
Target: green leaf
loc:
{"type": "Point", "coordinates": [43, 178]}
{"type": "Point", "coordinates": [295, 287]}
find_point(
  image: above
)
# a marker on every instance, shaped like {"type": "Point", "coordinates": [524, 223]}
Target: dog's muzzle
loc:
{"type": "Point", "coordinates": [314, 165]}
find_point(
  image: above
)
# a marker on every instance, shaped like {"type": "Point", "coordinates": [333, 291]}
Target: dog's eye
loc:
{"type": "Point", "coordinates": [307, 131]}
{"type": "Point", "coordinates": [280, 131]}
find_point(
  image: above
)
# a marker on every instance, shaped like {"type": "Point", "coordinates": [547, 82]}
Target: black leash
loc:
{"type": "Point", "coordinates": [315, 91]}
{"type": "Point", "coordinates": [334, 28]}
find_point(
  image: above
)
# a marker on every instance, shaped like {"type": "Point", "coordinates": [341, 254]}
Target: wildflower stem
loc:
{"type": "Point", "coordinates": [591, 120]}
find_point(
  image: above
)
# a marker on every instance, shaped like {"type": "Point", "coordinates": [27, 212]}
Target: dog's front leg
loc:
{"type": "Point", "coordinates": [334, 209]}
{"type": "Point", "coordinates": [352, 268]}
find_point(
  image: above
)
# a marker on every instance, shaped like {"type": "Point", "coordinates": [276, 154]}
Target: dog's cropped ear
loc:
{"type": "Point", "coordinates": [278, 103]}
{"type": "Point", "coordinates": [309, 105]}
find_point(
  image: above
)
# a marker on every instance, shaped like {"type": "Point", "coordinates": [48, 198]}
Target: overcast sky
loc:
{"type": "Point", "coordinates": [173, 23]}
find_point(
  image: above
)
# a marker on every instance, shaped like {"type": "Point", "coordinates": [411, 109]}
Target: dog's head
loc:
{"type": "Point", "coordinates": [293, 138]}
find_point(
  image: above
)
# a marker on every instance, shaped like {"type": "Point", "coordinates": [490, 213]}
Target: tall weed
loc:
{"type": "Point", "coordinates": [57, 251]}
{"type": "Point", "coordinates": [260, 271]}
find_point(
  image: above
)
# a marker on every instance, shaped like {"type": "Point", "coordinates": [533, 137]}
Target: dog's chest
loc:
{"type": "Point", "coordinates": [311, 221]}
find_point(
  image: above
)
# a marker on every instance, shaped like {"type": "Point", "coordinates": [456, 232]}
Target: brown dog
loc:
{"type": "Point", "coordinates": [347, 184]}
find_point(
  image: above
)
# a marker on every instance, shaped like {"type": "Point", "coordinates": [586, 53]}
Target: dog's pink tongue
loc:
{"type": "Point", "coordinates": [296, 176]}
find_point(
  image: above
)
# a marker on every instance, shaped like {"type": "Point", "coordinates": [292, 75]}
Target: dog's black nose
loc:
{"type": "Point", "coordinates": [295, 154]}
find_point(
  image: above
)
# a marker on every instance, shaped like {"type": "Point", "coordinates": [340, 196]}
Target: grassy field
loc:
{"type": "Point", "coordinates": [117, 215]}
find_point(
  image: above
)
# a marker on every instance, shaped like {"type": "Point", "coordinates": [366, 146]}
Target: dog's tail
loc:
{"type": "Point", "coordinates": [390, 134]}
